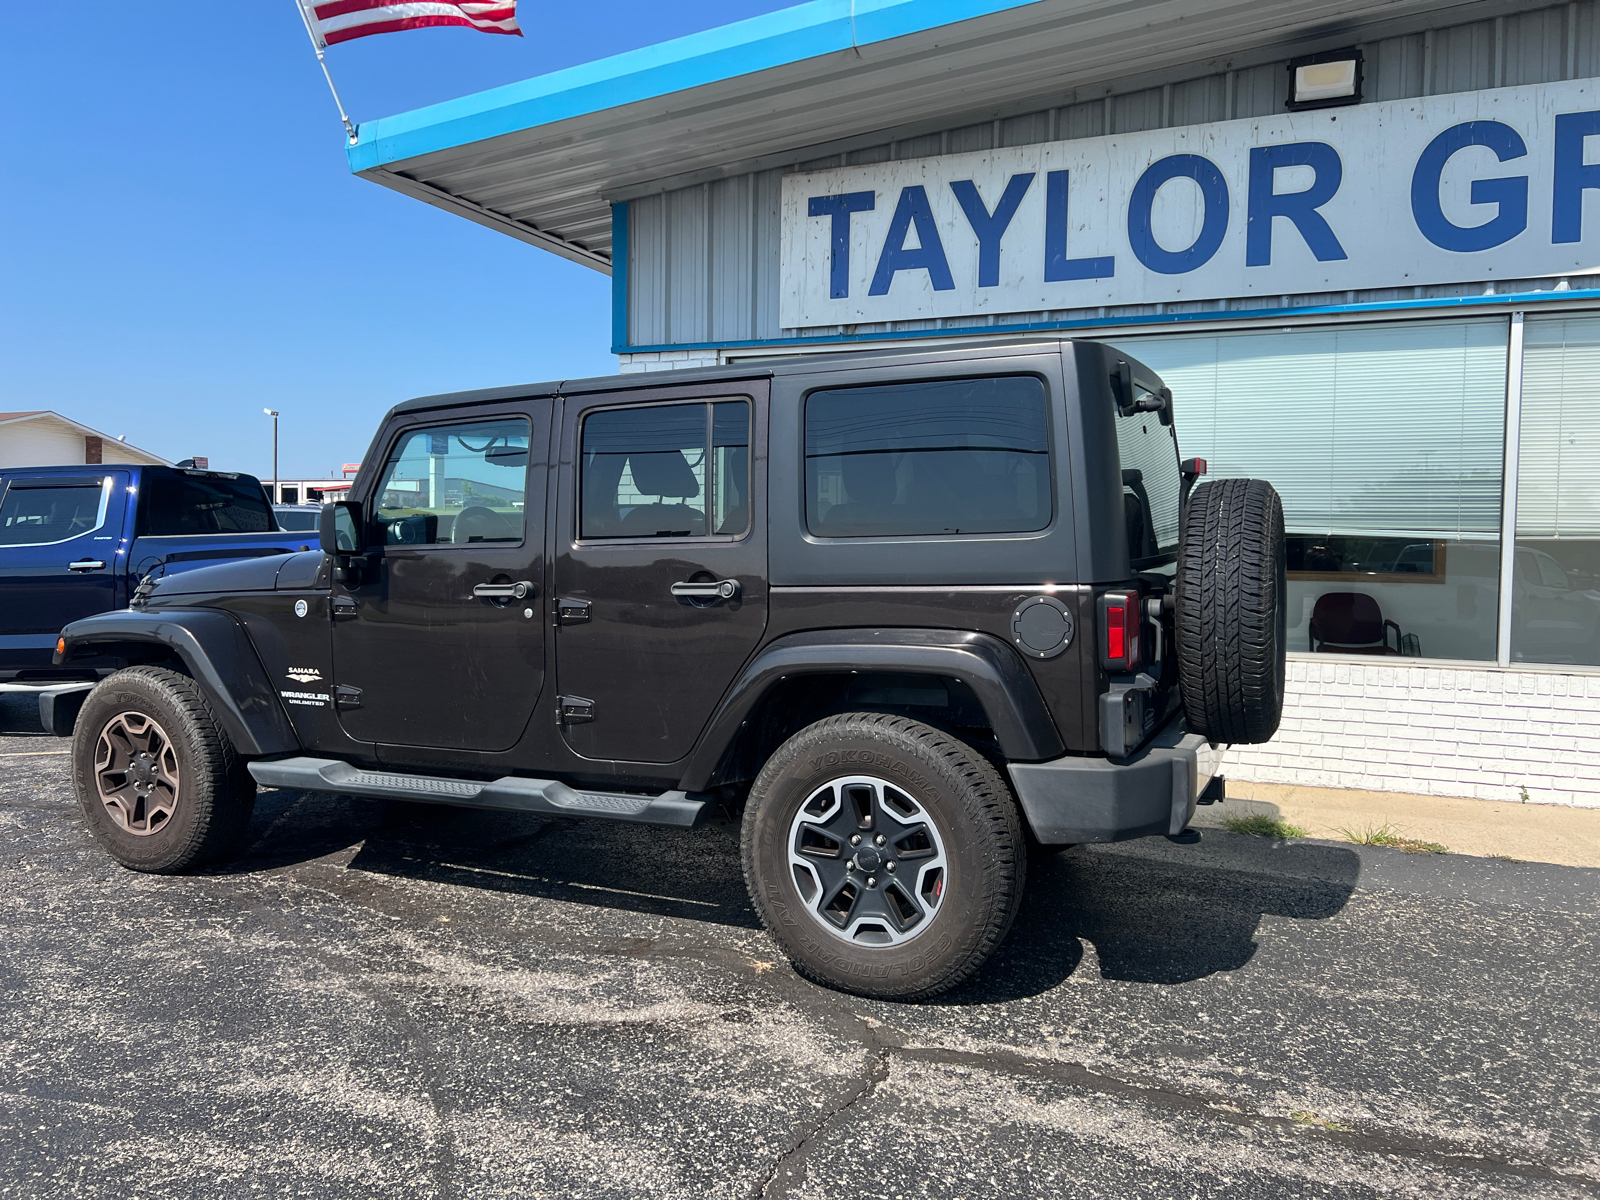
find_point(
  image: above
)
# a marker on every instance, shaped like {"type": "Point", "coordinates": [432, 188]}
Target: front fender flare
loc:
{"type": "Point", "coordinates": [219, 657]}
{"type": "Point", "coordinates": [992, 669]}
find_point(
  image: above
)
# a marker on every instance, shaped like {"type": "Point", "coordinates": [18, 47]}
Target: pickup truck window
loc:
{"type": "Point", "coordinates": [644, 471]}
{"type": "Point", "coordinates": [452, 485]}
{"type": "Point", "coordinates": [952, 456]}
{"type": "Point", "coordinates": [37, 513]}
{"type": "Point", "coordinates": [175, 505]}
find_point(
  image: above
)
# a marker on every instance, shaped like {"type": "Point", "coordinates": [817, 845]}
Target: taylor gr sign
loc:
{"type": "Point", "coordinates": [1501, 184]}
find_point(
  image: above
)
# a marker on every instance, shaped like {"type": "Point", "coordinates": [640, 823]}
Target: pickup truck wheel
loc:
{"type": "Point", "coordinates": [886, 858]}
{"type": "Point", "coordinates": [160, 784]}
{"type": "Point", "coordinates": [1232, 601]}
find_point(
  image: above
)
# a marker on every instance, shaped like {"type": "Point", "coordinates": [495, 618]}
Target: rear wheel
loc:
{"type": "Point", "coordinates": [1231, 630]}
{"type": "Point", "coordinates": [158, 780]}
{"type": "Point", "coordinates": [886, 857]}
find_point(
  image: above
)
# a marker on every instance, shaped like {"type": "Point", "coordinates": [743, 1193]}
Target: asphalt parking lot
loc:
{"type": "Point", "coordinates": [388, 1000]}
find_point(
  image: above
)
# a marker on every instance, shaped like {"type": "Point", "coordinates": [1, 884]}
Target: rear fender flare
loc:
{"type": "Point", "coordinates": [217, 653]}
{"type": "Point", "coordinates": [993, 670]}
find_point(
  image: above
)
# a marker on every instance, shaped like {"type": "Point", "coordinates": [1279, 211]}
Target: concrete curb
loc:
{"type": "Point", "coordinates": [1486, 828]}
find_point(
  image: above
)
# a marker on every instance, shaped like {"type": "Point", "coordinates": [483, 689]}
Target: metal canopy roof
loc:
{"type": "Point", "coordinates": [542, 160]}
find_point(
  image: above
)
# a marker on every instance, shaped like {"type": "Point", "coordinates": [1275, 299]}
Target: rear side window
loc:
{"type": "Point", "coordinates": [1151, 485]}
{"type": "Point", "coordinates": [174, 505]}
{"type": "Point", "coordinates": [957, 456]}
{"type": "Point", "coordinates": [32, 515]}
{"type": "Point", "coordinates": [646, 471]}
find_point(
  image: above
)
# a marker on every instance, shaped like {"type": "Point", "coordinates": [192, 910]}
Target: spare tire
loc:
{"type": "Point", "coordinates": [1231, 610]}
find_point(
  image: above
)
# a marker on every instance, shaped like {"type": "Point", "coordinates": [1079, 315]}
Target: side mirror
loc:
{"type": "Point", "coordinates": [339, 528]}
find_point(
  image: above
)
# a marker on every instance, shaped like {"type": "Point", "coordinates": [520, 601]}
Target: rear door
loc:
{"type": "Point", "coordinates": [661, 563]}
{"type": "Point", "coordinates": [61, 557]}
{"type": "Point", "coordinates": [431, 647]}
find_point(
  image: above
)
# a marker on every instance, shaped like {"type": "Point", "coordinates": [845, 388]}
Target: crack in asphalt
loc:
{"type": "Point", "coordinates": [791, 1163]}
{"type": "Point", "coordinates": [1433, 1150]}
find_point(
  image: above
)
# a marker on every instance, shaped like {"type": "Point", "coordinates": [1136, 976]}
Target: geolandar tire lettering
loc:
{"type": "Point", "coordinates": [160, 784]}
{"type": "Point", "coordinates": [885, 857]}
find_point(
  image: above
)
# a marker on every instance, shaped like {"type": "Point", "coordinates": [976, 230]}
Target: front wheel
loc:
{"type": "Point", "coordinates": [886, 857]}
{"type": "Point", "coordinates": [160, 784]}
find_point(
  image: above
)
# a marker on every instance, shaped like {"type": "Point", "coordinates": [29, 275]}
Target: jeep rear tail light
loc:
{"type": "Point", "coordinates": [1119, 631]}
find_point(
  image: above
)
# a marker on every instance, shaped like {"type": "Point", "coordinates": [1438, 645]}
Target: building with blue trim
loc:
{"type": "Point", "coordinates": [1381, 290]}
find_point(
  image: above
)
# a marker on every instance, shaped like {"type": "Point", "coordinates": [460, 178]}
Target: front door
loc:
{"type": "Point", "coordinates": [433, 636]}
{"type": "Point", "coordinates": [660, 574]}
{"type": "Point", "coordinates": [61, 540]}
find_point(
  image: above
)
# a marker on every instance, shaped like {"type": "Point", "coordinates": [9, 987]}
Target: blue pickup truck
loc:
{"type": "Point", "coordinates": [76, 541]}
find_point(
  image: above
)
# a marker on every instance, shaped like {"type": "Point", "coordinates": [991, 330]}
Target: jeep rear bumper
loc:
{"type": "Point", "coordinates": [1154, 790]}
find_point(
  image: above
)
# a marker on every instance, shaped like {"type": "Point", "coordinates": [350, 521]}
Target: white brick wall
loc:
{"type": "Point", "coordinates": [665, 360]}
{"type": "Point", "coordinates": [1479, 732]}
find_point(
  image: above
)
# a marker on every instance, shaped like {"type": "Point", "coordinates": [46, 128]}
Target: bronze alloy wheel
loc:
{"type": "Point", "coordinates": [136, 773]}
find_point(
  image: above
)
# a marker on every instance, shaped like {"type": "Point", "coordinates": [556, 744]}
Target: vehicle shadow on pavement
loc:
{"type": "Point", "coordinates": [1153, 917]}
{"type": "Point", "coordinates": [1154, 913]}
{"type": "Point", "coordinates": [693, 874]}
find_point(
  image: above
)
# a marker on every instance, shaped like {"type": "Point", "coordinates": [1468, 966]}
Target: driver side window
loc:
{"type": "Point", "coordinates": [455, 485]}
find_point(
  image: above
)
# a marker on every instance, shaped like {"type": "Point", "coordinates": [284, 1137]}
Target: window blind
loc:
{"type": "Point", "coordinates": [1558, 475]}
{"type": "Point", "coordinates": [1384, 430]}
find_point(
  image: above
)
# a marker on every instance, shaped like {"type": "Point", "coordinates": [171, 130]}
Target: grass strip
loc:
{"type": "Point", "coordinates": [1261, 825]}
{"type": "Point", "coordinates": [1385, 835]}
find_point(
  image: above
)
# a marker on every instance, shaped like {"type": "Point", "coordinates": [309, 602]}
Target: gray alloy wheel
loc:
{"type": "Point", "coordinates": [867, 860]}
{"type": "Point", "coordinates": [884, 856]}
{"type": "Point", "coordinates": [136, 773]}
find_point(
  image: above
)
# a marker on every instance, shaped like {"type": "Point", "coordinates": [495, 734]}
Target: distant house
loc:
{"type": "Point", "coordinates": [47, 439]}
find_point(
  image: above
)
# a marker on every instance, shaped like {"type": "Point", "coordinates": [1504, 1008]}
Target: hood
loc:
{"type": "Point", "coordinates": [264, 574]}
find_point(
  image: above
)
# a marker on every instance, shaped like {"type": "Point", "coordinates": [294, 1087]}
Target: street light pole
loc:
{"type": "Point", "coordinates": [273, 413]}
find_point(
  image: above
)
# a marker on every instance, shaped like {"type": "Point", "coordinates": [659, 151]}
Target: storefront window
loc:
{"type": "Point", "coordinates": [1555, 596]}
{"type": "Point", "coordinates": [1385, 442]}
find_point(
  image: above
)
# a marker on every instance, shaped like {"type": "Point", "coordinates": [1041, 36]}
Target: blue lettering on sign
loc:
{"type": "Point", "coordinates": [990, 227]}
{"type": "Point", "coordinates": [1573, 176]}
{"type": "Point", "coordinates": [1509, 194]}
{"type": "Point", "coordinates": [927, 256]}
{"type": "Point", "coordinates": [1214, 197]}
{"type": "Point", "coordinates": [840, 208]}
{"type": "Point", "coordinates": [1057, 266]}
{"type": "Point", "coordinates": [1299, 207]}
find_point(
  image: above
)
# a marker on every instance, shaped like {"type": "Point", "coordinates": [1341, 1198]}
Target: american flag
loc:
{"type": "Point", "coordinates": [334, 21]}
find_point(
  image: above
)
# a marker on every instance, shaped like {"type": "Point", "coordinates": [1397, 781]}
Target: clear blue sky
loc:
{"type": "Point", "coordinates": [181, 242]}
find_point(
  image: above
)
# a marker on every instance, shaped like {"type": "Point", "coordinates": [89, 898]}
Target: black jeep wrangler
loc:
{"type": "Point", "coordinates": [914, 613]}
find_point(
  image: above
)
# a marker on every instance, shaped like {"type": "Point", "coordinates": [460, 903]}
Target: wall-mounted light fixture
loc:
{"type": "Point", "coordinates": [1324, 80]}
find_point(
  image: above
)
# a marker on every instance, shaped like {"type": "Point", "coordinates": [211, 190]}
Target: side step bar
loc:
{"type": "Point", "coordinates": [511, 793]}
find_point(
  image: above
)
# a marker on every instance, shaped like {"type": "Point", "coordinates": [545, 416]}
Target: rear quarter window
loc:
{"type": "Point", "coordinates": [938, 457]}
{"type": "Point", "coordinates": [1152, 485]}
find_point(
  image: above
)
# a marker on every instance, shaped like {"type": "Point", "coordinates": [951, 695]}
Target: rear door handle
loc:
{"type": "Point", "coordinates": [86, 564]}
{"type": "Point", "coordinates": [520, 590]}
{"type": "Point", "coordinates": [717, 589]}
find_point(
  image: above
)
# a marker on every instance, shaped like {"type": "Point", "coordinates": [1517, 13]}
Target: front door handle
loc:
{"type": "Point", "coordinates": [716, 589]}
{"type": "Point", "coordinates": [86, 564]}
{"type": "Point", "coordinates": [520, 590]}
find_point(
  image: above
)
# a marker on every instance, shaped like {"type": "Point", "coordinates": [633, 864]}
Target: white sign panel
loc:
{"type": "Point", "coordinates": [1501, 184]}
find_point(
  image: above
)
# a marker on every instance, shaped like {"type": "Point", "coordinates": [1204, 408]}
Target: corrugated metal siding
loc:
{"type": "Point", "coordinates": [704, 261]}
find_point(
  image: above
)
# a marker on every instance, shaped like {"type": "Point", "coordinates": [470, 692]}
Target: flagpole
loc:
{"type": "Point", "coordinates": [316, 44]}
